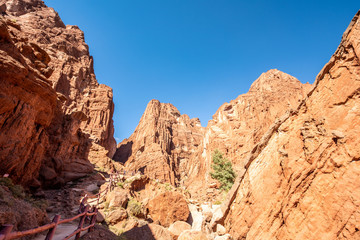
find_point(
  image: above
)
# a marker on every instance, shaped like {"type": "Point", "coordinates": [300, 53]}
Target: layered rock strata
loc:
{"type": "Point", "coordinates": [173, 148]}
{"type": "Point", "coordinates": [238, 126]}
{"type": "Point", "coordinates": [302, 183]}
{"type": "Point", "coordinates": [163, 145]}
{"type": "Point", "coordinates": [52, 110]}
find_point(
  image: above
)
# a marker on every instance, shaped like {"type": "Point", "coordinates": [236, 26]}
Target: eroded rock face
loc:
{"type": "Point", "coordinates": [171, 147]}
{"type": "Point", "coordinates": [52, 109]}
{"type": "Point", "coordinates": [239, 125]}
{"type": "Point", "coordinates": [163, 145]}
{"type": "Point", "coordinates": [303, 183]}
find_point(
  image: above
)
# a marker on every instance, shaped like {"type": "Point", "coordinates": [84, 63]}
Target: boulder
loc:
{"type": "Point", "coordinates": [192, 235]}
{"type": "Point", "coordinates": [117, 198]}
{"type": "Point", "coordinates": [168, 208]}
{"type": "Point", "coordinates": [224, 237]}
{"type": "Point", "coordinates": [116, 215]}
{"type": "Point", "coordinates": [220, 229]}
{"type": "Point", "coordinates": [148, 232]}
{"type": "Point", "coordinates": [178, 227]}
{"type": "Point", "coordinates": [100, 217]}
{"type": "Point", "coordinates": [139, 183]}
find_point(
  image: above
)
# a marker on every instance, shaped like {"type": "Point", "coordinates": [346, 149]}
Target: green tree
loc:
{"type": "Point", "coordinates": [222, 170]}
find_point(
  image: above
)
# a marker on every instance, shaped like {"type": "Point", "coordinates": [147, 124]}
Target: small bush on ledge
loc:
{"type": "Point", "coordinates": [222, 170]}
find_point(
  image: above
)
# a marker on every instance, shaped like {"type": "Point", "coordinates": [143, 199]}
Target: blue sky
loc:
{"type": "Point", "coordinates": [198, 54]}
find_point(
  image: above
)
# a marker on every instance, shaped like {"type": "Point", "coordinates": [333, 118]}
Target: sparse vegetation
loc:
{"type": "Point", "coordinates": [122, 237]}
{"type": "Point", "coordinates": [168, 187]}
{"type": "Point", "coordinates": [222, 170]}
{"type": "Point", "coordinates": [16, 190]}
{"type": "Point", "coordinates": [106, 205]}
{"type": "Point", "coordinates": [135, 208]}
{"type": "Point", "coordinates": [120, 184]}
{"type": "Point", "coordinates": [116, 230]}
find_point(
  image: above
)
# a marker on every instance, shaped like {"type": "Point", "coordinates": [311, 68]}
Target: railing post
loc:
{"type": "Point", "coordinates": [6, 229]}
{"type": "Point", "coordinates": [98, 200]}
{"type": "Point", "coordinates": [51, 232]}
{"type": "Point", "coordinates": [111, 184]}
{"type": "Point", "coordinates": [93, 219]}
{"type": "Point", "coordinates": [82, 204]}
{"type": "Point", "coordinates": [81, 223]}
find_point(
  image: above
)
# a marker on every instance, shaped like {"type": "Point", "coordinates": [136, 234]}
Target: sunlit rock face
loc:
{"type": "Point", "coordinates": [239, 125]}
{"type": "Point", "coordinates": [163, 145]}
{"type": "Point", "coordinates": [52, 109]}
{"type": "Point", "coordinates": [304, 182]}
{"type": "Point", "coordinates": [174, 148]}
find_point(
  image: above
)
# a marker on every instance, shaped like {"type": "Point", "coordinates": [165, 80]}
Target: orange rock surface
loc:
{"type": "Point", "coordinates": [171, 147]}
{"type": "Point", "coordinates": [238, 126]}
{"type": "Point", "coordinates": [167, 208]}
{"type": "Point", "coordinates": [163, 144]}
{"type": "Point", "coordinates": [303, 183]}
{"type": "Point", "coordinates": [52, 109]}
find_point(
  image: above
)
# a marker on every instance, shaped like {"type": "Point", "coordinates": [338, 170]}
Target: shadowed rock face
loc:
{"type": "Point", "coordinates": [304, 182]}
{"type": "Point", "coordinates": [53, 112]}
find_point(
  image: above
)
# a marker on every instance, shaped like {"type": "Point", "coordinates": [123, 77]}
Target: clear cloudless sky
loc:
{"type": "Point", "coordinates": [199, 54]}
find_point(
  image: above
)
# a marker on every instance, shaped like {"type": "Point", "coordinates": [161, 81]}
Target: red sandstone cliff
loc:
{"type": "Point", "coordinates": [163, 145]}
{"type": "Point", "coordinates": [176, 149]}
{"type": "Point", "coordinates": [53, 112]}
{"type": "Point", "coordinates": [239, 125]}
{"type": "Point", "coordinates": [302, 180]}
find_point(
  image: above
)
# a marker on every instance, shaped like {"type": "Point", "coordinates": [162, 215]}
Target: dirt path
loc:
{"type": "Point", "coordinates": [61, 232]}
{"type": "Point", "coordinates": [66, 201]}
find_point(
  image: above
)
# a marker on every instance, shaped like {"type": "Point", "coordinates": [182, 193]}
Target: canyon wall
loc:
{"type": "Point", "coordinates": [164, 145]}
{"type": "Point", "coordinates": [238, 126]}
{"type": "Point", "coordinates": [175, 149]}
{"type": "Point", "coordinates": [53, 112]}
{"type": "Point", "coordinates": [302, 183]}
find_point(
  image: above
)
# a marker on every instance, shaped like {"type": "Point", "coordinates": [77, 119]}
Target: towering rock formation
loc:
{"type": "Point", "coordinates": [163, 145]}
{"type": "Point", "coordinates": [53, 112]}
{"type": "Point", "coordinates": [176, 149]}
{"type": "Point", "coordinates": [302, 181]}
{"type": "Point", "coordinates": [237, 126]}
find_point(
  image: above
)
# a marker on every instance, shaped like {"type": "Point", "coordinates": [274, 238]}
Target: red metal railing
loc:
{"type": "Point", "coordinates": [6, 234]}
{"type": "Point", "coordinates": [84, 214]}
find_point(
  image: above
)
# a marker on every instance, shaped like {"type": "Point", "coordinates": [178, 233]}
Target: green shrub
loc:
{"type": "Point", "coordinates": [106, 205]}
{"type": "Point", "coordinates": [134, 207]}
{"type": "Point", "coordinates": [120, 184]}
{"type": "Point", "coordinates": [222, 170]}
{"type": "Point", "coordinates": [16, 190]}
{"type": "Point", "coordinates": [116, 231]}
{"type": "Point", "coordinates": [168, 187]}
{"type": "Point", "coordinates": [38, 203]}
